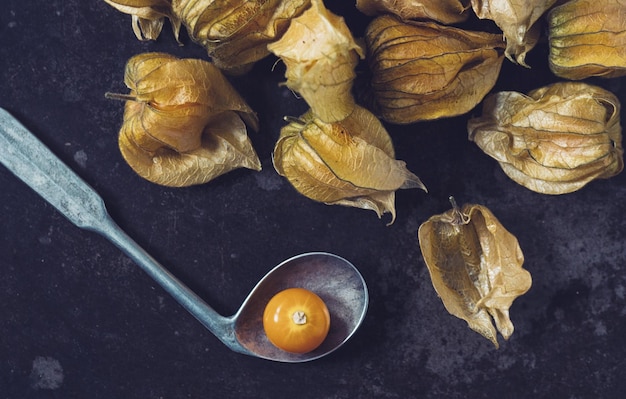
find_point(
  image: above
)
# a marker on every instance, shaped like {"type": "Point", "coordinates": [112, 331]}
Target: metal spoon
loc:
{"type": "Point", "coordinates": [331, 277]}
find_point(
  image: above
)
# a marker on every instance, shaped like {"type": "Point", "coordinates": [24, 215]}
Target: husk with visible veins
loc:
{"type": "Point", "coordinates": [443, 11]}
{"type": "Point", "coordinates": [349, 163]}
{"type": "Point", "coordinates": [148, 16]}
{"type": "Point", "coordinates": [320, 55]}
{"type": "Point", "coordinates": [424, 71]}
{"type": "Point", "coordinates": [183, 121]}
{"type": "Point", "coordinates": [554, 140]}
{"type": "Point", "coordinates": [518, 21]}
{"type": "Point", "coordinates": [236, 33]}
{"type": "Point", "coordinates": [475, 266]}
{"type": "Point", "coordinates": [588, 38]}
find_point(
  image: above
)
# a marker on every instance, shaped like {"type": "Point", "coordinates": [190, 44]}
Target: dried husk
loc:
{"type": "Point", "coordinates": [518, 20]}
{"type": "Point", "coordinates": [424, 71]}
{"type": "Point", "coordinates": [148, 16]}
{"type": "Point", "coordinates": [554, 140]}
{"type": "Point", "coordinates": [236, 32]}
{"type": "Point", "coordinates": [349, 163]}
{"type": "Point", "coordinates": [183, 121]}
{"type": "Point", "coordinates": [443, 11]}
{"type": "Point", "coordinates": [320, 55]}
{"type": "Point", "coordinates": [588, 38]}
{"type": "Point", "coordinates": [475, 266]}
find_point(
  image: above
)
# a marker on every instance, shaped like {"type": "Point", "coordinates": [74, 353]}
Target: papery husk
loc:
{"type": "Point", "coordinates": [183, 121]}
{"type": "Point", "coordinates": [475, 266]}
{"type": "Point", "coordinates": [554, 140]}
{"type": "Point", "coordinates": [236, 32]}
{"type": "Point", "coordinates": [424, 71]}
{"type": "Point", "coordinates": [148, 16]}
{"type": "Point", "coordinates": [320, 55]}
{"type": "Point", "coordinates": [349, 163]}
{"type": "Point", "coordinates": [588, 38]}
{"type": "Point", "coordinates": [518, 20]}
{"type": "Point", "coordinates": [443, 11]}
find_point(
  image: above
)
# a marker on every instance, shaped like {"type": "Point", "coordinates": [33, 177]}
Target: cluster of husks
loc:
{"type": "Point", "coordinates": [555, 139]}
{"type": "Point", "coordinates": [183, 121]}
{"type": "Point", "coordinates": [422, 70]}
{"type": "Point", "coordinates": [475, 265]}
{"type": "Point", "coordinates": [235, 33]}
{"type": "Point", "coordinates": [338, 152]}
{"type": "Point", "coordinates": [517, 19]}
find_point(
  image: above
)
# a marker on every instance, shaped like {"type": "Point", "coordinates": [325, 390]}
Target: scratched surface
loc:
{"type": "Point", "coordinates": [79, 320]}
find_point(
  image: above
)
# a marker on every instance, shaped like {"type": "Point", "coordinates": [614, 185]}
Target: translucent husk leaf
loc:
{"type": "Point", "coordinates": [518, 21]}
{"type": "Point", "coordinates": [443, 11]}
{"type": "Point", "coordinates": [423, 70]}
{"type": "Point", "coordinates": [349, 163]}
{"type": "Point", "coordinates": [148, 16]}
{"type": "Point", "coordinates": [236, 33]}
{"type": "Point", "coordinates": [588, 38]}
{"type": "Point", "coordinates": [183, 121]}
{"type": "Point", "coordinates": [320, 55]}
{"type": "Point", "coordinates": [554, 140]}
{"type": "Point", "coordinates": [475, 266]}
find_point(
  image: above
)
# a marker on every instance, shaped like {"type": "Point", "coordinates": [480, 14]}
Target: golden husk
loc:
{"type": "Point", "coordinates": [183, 121]}
{"type": "Point", "coordinates": [554, 140]}
{"type": "Point", "coordinates": [588, 38]}
{"type": "Point", "coordinates": [320, 55]}
{"type": "Point", "coordinates": [475, 266]}
{"type": "Point", "coordinates": [518, 20]}
{"type": "Point", "coordinates": [423, 70]}
{"type": "Point", "coordinates": [349, 163]}
{"type": "Point", "coordinates": [236, 33]}
{"type": "Point", "coordinates": [443, 11]}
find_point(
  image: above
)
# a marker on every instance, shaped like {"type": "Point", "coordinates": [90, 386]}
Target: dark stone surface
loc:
{"type": "Point", "coordinates": [79, 320]}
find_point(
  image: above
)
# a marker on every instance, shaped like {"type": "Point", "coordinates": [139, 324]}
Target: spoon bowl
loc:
{"type": "Point", "coordinates": [331, 277]}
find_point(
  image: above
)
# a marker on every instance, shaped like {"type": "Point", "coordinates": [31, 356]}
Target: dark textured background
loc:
{"type": "Point", "coordinates": [79, 320]}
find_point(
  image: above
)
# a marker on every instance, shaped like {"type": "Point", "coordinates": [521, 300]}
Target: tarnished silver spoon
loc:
{"type": "Point", "coordinates": [331, 277]}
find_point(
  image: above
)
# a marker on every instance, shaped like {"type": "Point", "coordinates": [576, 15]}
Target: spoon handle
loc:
{"type": "Point", "coordinates": [31, 161]}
